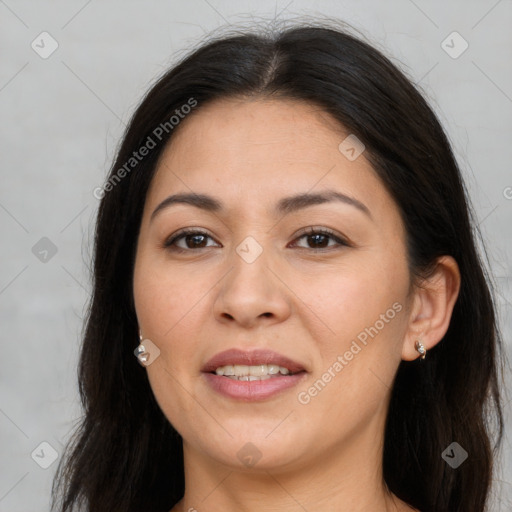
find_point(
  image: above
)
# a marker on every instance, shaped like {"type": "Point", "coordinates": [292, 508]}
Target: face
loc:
{"type": "Point", "coordinates": [320, 286]}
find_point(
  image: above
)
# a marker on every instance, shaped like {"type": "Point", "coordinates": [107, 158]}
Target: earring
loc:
{"type": "Point", "coordinates": [140, 352]}
{"type": "Point", "coordinates": [421, 349]}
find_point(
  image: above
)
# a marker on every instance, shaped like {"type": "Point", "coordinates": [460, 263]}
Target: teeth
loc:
{"type": "Point", "coordinates": [249, 373]}
{"type": "Point", "coordinates": [249, 377]}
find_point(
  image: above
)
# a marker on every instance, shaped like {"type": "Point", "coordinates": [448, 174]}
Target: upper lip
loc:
{"type": "Point", "coordinates": [252, 358]}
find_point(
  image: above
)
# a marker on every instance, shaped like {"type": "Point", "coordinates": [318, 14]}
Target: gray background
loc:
{"type": "Point", "coordinates": [62, 118]}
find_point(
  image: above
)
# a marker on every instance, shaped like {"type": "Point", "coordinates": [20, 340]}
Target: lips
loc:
{"type": "Point", "coordinates": [252, 358]}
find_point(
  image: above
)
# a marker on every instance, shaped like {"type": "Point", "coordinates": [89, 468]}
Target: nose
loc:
{"type": "Point", "coordinates": [252, 294]}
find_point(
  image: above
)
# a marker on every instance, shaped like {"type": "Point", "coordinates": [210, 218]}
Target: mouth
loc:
{"type": "Point", "coordinates": [257, 363]}
{"type": "Point", "coordinates": [253, 372]}
{"type": "Point", "coordinates": [250, 376]}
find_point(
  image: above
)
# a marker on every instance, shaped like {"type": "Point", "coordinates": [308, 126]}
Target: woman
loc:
{"type": "Point", "coordinates": [285, 244]}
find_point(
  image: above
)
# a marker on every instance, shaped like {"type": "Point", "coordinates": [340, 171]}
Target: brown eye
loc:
{"type": "Point", "coordinates": [192, 239]}
{"type": "Point", "coordinates": [320, 239]}
{"type": "Point", "coordinates": [316, 239]}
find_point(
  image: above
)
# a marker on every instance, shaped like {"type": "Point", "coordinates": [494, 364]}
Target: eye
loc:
{"type": "Point", "coordinates": [192, 238]}
{"type": "Point", "coordinates": [320, 238]}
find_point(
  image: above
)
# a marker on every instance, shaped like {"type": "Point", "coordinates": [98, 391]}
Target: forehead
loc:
{"type": "Point", "coordinates": [255, 151]}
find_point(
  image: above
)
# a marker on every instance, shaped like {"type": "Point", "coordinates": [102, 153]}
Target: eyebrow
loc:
{"type": "Point", "coordinates": [284, 206]}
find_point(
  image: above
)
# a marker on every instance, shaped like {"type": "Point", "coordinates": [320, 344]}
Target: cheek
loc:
{"type": "Point", "coordinates": [164, 298]}
{"type": "Point", "coordinates": [362, 308]}
{"type": "Point", "coordinates": [167, 305]}
{"type": "Point", "coordinates": [346, 300]}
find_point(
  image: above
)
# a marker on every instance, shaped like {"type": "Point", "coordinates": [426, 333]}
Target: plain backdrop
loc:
{"type": "Point", "coordinates": [62, 115]}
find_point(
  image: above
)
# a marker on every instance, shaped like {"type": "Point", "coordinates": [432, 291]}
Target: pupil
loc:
{"type": "Point", "coordinates": [316, 238]}
{"type": "Point", "coordinates": [195, 238]}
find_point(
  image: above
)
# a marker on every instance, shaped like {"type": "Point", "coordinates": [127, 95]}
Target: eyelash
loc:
{"type": "Point", "coordinates": [309, 231]}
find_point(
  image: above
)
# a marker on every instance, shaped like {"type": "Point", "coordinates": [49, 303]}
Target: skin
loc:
{"type": "Point", "coordinates": [305, 303]}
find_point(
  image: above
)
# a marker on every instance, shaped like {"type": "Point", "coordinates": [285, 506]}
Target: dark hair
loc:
{"type": "Point", "coordinates": [125, 455]}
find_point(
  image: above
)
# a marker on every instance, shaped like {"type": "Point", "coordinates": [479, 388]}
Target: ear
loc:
{"type": "Point", "coordinates": [432, 306]}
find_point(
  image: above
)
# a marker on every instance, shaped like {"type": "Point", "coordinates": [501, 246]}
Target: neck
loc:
{"type": "Point", "coordinates": [347, 478]}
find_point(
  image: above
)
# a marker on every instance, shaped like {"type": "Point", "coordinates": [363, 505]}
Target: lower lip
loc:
{"type": "Point", "coordinates": [254, 390]}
